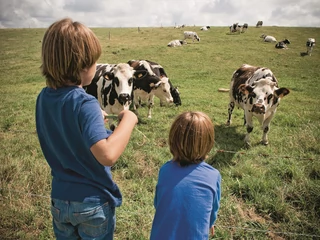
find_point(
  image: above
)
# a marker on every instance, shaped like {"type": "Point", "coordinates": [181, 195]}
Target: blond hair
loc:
{"type": "Point", "coordinates": [191, 137]}
{"type": "Point", "coordinates": [67, 48]}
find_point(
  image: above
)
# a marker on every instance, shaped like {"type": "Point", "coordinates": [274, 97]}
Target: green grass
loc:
{"type": "Point", "coordinates": [268, 192]}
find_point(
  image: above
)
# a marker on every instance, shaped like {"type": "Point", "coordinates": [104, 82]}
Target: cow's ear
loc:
{"type": "Point", "coordinates": [245, 89]}
{"type": "Point", "coordinates": [140, 74]}
{"type": "Point", "coordinates": [108, 76]}
{"type": "Point", "coordinates": [281, 92]}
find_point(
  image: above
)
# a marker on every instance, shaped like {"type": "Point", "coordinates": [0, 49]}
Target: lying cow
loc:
{"type": "Point", "coordinates": [191, 35]}
{"type": "Point", "coordinates": [176, 43]}
{"type": "Point", "coordinates": [205, 28]}
{"type": "Point", "coordinates": [311, 42]}
{"type": "Point", "coordinates": [151, 80]}
{"type": "Point", "coordinates": [256, 91]}
{"type": "Point", "coordinates": [112, 85]}
{"type": "Point", "coordinates": [235, 28]}
{"type": "Point", "coordinates": [268, 38]}
{"type": "Point", "coordinates": [282, 44]}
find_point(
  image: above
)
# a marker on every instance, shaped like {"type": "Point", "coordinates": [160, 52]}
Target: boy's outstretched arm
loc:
{"type": "Point", "coordinates": [107, 151]}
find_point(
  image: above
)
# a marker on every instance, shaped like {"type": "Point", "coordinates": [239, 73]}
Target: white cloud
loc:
{"type": "Point", "coordinates": [155, 13]}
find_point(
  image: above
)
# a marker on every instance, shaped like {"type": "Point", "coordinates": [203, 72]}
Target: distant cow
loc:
{"type": "Point", "coordinates": [112, 85]}
{"type": "Point", "coordinates": [205, 28]}
{"type": "Point", "coordinates": [282, 44]}
{"type": "Point", "coordinates": [256, 91]}
{"type": "Point", "coordinates": [235, 28]}
{"type": "Point", "coordinates": [244, 28]}
{"type": "Point", "coordinates": [311, 42]}
{"type": "Point", "coordinates": [151, 80]}
{"type": "Point", "coordinates": [176, 43]}
{"type": "Point", "coordinates": [191, 35]}
{"type": "Point", "coordinates": [268, 38]}
{"type": "Point", "coordinates": [259, 24]}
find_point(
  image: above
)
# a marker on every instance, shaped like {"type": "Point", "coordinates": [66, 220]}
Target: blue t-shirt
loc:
{"type": "Point", "coordinates": [187, 200]}
{"type": "Point", "coordinates": [69, 122]}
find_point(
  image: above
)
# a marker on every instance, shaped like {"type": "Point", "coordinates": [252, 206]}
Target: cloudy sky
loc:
{"type": "Point", "coordinates": [156, 13]}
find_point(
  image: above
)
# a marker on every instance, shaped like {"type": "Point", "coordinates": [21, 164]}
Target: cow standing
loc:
{"type": "Point", "coordinates": [191, 35]}
{"type": "Point", "coordinates": [151, 80]}
{"type": "Point", "coordinates": [244, 28]}
{"type": "Point", "coordinates": [112, 85]}
{"type": "Point", "coordinates": [259, 24]}
{"type": "Point", "coordinates": [235, 28]}
{"type": "Point", "coordinates": [256, 91]}
{"type": "Point", "coordinates": [311, 42]}
{"type": "Point", "coordinates": [282, 44]}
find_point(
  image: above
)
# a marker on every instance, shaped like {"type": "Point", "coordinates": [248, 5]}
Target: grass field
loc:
{"type": "Point", "coordinates": [268, 192]}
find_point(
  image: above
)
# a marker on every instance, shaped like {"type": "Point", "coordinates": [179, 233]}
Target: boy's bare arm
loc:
{"type": "Point", "coordinates": [107, 151]}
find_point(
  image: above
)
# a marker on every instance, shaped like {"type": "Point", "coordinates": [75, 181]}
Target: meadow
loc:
{"type": "Point", "coordinates": [268, 192]}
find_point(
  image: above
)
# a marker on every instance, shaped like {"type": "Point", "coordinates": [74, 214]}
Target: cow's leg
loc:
{"type": "Point", "coordinates": [136, 104]}
{"type": "Point", "coordinates": [249, 124]}
{"type": "Point", "coordinates": [265, 129]}
{"type": "Point", "coordinates": [150, 105]}
{"type": "Point", "coordinates": [230, 110]}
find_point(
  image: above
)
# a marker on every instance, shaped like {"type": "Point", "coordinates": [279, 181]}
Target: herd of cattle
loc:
{"type": "Point", "coordinates": [254, 89]}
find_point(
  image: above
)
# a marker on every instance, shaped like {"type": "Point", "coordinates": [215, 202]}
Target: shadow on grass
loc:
{"type": "Point", "coordinates": [228, 143]}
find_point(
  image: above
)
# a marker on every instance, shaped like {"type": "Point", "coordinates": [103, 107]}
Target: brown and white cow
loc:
{"type": "Point", "coordinates": [151, 80]}
{"type": "Point", "coordinates": [112, 85]}
{"type": "Point", "coordinates": [256, 91]}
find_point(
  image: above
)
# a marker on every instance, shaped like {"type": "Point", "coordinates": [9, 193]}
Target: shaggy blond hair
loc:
{"type": "Point", "coordinates": [67, 48]}
{"type": "Point", "coordinates": [191, 137]}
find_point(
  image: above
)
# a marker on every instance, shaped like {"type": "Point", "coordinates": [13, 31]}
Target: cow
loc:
{"type": "Point", "coordinates": [151, 80]}
{"type": "Point", "coordinates": [259, 24]}
{"type": "Point", "coordinates": [244, 28]}
{"type": "Point", "coordinates": [191, 35]}
{"type": "Point", "coordinates": [282, 44]}
{"type": "Point", "coordinates": [112, 85]}
{"type": "Point", "coordinates": [268, 38]}
{"type": "Point", "coordinates": [235, 28]}
{"type": "Point", "coordinates": [311, 42]}
{"type": "Point", "coordinates": [256, 91]}
{"type": "Point", "coordinates": [176, 43]}
{"type": "Point", "coordinates": [205, 28]}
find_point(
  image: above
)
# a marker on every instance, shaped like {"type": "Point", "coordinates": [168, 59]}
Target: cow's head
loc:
{"type": "Point", "coordinates": [262, 95]}
{"type": "Point", "coordinates": [122, 80]}
{"type": "Point", "coordinates": [162, 91]}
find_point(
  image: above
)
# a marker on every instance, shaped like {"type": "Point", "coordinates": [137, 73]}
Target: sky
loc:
{"type": "Point", "coordinates": [160, 13]}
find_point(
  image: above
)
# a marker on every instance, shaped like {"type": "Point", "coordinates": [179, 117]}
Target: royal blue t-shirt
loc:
{"type": "Point", "coordinates": [187, 200]}
{"type": "Point", "coordinates": [69, 122]}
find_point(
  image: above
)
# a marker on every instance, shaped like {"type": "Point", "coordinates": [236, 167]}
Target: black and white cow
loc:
{"type": "Point", "coordinates": [311, 42]}
{"type": "Point", "coordinates": [256, 91]}
{"type": "Point", "coordinates": [259, 24]}
{"type": "Point", "coordinates": [244, 28]}
{"type": "Point", "coordinates": [191, 35]}
{"type": "Point", "coordinates": [205, 28]}
{"type": "Point", "coordinates": [176, 43]}
{"type": "Point", "coordinates": [151, 80]}
{"type": "Point", "coordinates": [235, 28]}
{"type": "Point", "coordinates": [268, 38]}
{"type": "Point", "coordinates": [112, 85]}
{"type": "Point", "coordinates": [282, 44]}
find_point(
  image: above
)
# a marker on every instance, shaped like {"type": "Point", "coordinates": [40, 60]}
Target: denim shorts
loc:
{"type": "Point", "coordinates": [76, 220]}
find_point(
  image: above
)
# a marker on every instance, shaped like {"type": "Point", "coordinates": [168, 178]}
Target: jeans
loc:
{"type": "Point", "coordinates": [76, 220]}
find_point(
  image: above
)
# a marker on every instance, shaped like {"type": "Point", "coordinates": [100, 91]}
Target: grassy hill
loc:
{"type": "Point", "coordinates": [268, 192]}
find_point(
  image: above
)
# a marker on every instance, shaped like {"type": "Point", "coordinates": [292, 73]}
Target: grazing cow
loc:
{"type": "Point", "coordinates": [176, 43]}
{"type": "Point", "coordinates": [256, 91]}
{"type": "Point", "coordinates": [244, 28]}
{"type": "Point", "coordinates": [205, 28]}
{"type": "Point", "coordinates": [112, 85]}
{"type": "Point", "coordinates": [282, 44]}
{"type": "Point", "coordinates": [259, 24]}
{"type": "Point", "coordinates": [311, 42]}
{"type": "Point", "coordinates": [268, 38]}
{"type": "Point", "coordinates": [191, 35]}
{"type": "Point", "coordinates": [151, 80]}
{"type": "Point", "coordinates": [235, 28]}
